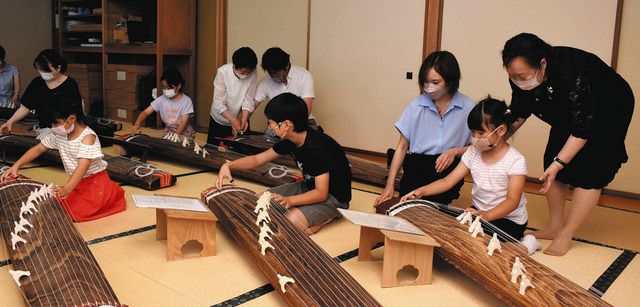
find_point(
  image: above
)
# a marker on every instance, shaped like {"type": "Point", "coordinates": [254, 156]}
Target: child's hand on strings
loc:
{"type": "Point", "coordinates": [283, 200]}
{"type": "Point", "coordinates": [61, 191]}
{"type": "Point", "coordinates": [136, 129]}
{"type": "Point", "coordinates": [225, 172]}
{"type": "Point", "coordinates": [9, 174]}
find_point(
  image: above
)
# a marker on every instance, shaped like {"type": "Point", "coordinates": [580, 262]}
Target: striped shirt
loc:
{"type": "Point", "coordinates": [72, 150]}
{"type": "Point", "coordinates": [491, 181]}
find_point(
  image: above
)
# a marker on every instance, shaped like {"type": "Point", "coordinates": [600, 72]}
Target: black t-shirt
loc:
{"type": "Point", "coordinates": [38, 96]}
{"type": "Point", "coordinates": [318, 155]}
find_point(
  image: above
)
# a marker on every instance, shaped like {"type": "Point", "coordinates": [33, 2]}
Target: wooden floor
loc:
{"type": "Point", "coordinates": [603, 256]}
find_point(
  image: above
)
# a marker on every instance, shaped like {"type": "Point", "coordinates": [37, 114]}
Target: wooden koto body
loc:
{"type": "Point", "coordinates": [362, 170]}
{"type": "Point", "coordinates": [122, 169]}
{"type": "Point", "coordinates": [98, 124]}
{"type": "Point", "coordinates": [469, 255]}
{"type": "Point", "coordinates": [182, 149]}
{"type": "Point", "coordinates": [52, 265]}
{"type": "Point", "coordinates": [318, 279]}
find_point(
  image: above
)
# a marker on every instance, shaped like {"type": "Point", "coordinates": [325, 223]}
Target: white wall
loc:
{"type": "Point", "coordinates": [629, 68]}
{"type": "Point", "coordinates": [262, 24]}
{"type": "Point", "coordinates": [25, 30]}
{"type": "Point", "coordinates": [360, 51]}
{"type": "Point", "coordinates": [476, 30]}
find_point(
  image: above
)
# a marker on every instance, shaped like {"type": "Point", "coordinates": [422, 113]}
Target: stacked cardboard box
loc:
{"type": "Point", "coordinates": [89, 78]}
{"type": "Point", "coordinates": [121, 96]}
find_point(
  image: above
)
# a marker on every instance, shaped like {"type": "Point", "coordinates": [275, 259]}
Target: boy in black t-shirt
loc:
{"type": "Point", "coordinates": [324, 165]}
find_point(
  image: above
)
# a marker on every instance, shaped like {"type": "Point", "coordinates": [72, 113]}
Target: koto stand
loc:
{"type": "Point", "coordinates": [400, 250]}
{"type": "Point", "coordinates": [180, 227]}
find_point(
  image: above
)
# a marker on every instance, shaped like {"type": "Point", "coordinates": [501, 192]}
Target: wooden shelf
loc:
{"type": "Point", "coordinates": [132, 48]}
{"type": "Point", "coordinates": [81, 49]}
{"type": "Point", "coordinates": [81, 31]}
{"type": "Point", "coordinates": [90, 16]}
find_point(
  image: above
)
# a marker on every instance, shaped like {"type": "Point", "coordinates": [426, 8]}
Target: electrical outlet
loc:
{"type": "Point", "coordinates": [409, 75]}
{"type": "Point", "coordinates": [122, 113]}
{"type": "Point", "coordinates": [121, 75]}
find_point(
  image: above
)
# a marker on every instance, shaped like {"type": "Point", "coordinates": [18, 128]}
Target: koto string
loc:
{"type": "Point", "coordinates": [59, 217]}
{"type": "Point", "coordinates": [284, 248]}
{"type": "Point", "coordinates": [7, 200]}
{"type": "Point", "coordinates": [298, 238]}
{"type": "Point", "coordinates": [509, 247]}
{"type": "Point", "coordinates": [31, 241]}
{"type": "Point", "coordinates": [504, 235]}
{"type": "Point", "coordinates": [44, 212]}
{"type": "Point", "coordinates": [267, 262]}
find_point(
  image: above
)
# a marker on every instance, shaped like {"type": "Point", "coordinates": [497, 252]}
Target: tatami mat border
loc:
{"type": "Point", "coordinates": [610, 275]}
{"type": "Point", "coordinates": [103, 239]}
{"type": "Point", "coordinates": [265, 289]}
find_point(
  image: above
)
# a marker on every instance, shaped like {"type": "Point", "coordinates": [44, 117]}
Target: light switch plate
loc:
{"type": "Point", "coordinates": [122, 113]}
{"type": "Point", "coordinates": [121, 75]}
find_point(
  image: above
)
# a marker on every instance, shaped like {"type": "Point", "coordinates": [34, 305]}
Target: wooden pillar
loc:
{"type": "Point", "coordinates": [432, 26]}
{"type": "Point", "coordinates": [221, 32]}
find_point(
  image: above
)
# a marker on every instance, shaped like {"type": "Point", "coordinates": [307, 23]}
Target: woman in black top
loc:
{"type": "Point", "coordinates": [588, 106]}
{"type": "Point", "coordinates": [52, 88]}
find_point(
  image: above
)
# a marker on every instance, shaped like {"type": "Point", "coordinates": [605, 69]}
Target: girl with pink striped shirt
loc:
{"type": "Point", "coordinates": [497, 168]}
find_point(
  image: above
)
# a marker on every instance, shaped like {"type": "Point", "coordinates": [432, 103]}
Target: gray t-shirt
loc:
{"type": "Point", "coordinates": [6, 81]}
{"type": "Point", "coordinates": [172, 110]}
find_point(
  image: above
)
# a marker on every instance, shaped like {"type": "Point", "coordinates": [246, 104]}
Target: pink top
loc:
{"type": "Point", "coordinates": [491, 181]}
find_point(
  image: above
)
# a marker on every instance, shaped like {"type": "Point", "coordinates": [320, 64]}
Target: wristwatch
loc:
{"type": "Point", "coordinates": [564, 164]}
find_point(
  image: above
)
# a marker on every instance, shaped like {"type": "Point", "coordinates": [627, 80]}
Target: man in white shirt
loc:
{"type": "Point", "coordinates": [234, 89]}
{"type": "Point", "coordinates": [285, 77]}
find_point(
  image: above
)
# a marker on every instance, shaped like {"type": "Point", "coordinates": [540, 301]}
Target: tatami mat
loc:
{"type": "Point", "coordinates": [625, 291]}
{"type": "Point", "coordinates": [583, 264]}
{"type": "Point", "coordinates": [137, 269]}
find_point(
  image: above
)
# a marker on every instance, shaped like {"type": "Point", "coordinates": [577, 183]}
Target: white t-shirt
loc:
{"type": "Point", "coordinates": [491, 181]}
{"type": "Point", "coordinates": [299, 83]}
{"type": "Point", "coordinates": [172, 110]}
{"type": "Point", "coordinates": [232, 94]}
{"type": "Point", "coordinates": [71, 151]}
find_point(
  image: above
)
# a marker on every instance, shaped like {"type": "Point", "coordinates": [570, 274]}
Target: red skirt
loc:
{"type": "Point", "coordinates": [95, 197]}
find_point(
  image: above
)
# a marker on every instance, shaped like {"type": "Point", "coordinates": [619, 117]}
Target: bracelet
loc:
{"type": "Point", "coordinates": [556, 159]}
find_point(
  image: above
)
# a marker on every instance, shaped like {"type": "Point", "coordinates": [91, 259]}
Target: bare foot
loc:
{"type": "Point", "coordinates": [544, 234]}
{"type": "Point", "coordinates": [559, 246]}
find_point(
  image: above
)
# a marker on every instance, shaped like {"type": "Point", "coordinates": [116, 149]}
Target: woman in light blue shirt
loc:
{"type": "Point", "coordinates": [9, 83]}
{"type": "Point", "coordinates": [433, 130]}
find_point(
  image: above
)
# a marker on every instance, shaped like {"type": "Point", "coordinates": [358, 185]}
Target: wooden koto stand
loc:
{"type": "Point", "coordinates": [400, 250]}
{"type": "Point", "coordinates": [179, 227]}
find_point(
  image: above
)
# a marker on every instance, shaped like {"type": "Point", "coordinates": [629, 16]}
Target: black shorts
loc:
{"type": "Point", "coordinates": [419, 170]}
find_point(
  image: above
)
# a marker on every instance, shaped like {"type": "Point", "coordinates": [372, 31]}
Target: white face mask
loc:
{"type": "Point", "coordinates": [529, 84]}
{"type": "Point", "coordinates": [240, 76]}
{"type": "Point", "coordinates": [46, 76]}
{"type": "Point", "coordinates": [435, 91]}
{"type": "Point", "coordinates": [169, 93]}
{"type": "Point", "coordinates": [60, 130]}
{"type": "Point", "coordinates": [483, 144]}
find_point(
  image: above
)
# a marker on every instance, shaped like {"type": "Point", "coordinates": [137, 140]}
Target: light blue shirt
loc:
{"type": "Point", "coordinates": [428, 134]}
{"type": "Point", "coordinates": [6, 81]}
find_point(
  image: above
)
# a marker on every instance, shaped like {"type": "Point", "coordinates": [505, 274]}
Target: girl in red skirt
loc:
{"type": "Point", "coordinates": [89, 194]}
